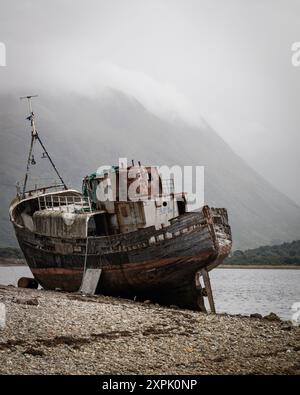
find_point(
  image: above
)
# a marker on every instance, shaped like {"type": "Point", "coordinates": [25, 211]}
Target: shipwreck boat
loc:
{"type": "Point", "coordinates": [146, 249]}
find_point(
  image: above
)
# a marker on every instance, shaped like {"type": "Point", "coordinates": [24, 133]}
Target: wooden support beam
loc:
{"type": "Point", "coordinates": [207, 284]}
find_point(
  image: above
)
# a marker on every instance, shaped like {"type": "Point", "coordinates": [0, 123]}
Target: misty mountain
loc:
{"type": "Point", "coordinates": [83, 133]}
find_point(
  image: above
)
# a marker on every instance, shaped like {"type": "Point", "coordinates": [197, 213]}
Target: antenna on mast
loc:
{"type": "Point", "coordinates": [35, 136]}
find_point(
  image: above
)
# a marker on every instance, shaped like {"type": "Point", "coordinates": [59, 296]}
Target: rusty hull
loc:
{"type": "Point", "coordinates": [160, 265]}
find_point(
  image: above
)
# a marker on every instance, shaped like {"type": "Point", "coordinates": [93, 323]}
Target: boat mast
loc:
{"type": "Point", "coordinates": [35, 136]}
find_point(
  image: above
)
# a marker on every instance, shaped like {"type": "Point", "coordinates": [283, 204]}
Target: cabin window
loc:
{"type": "Point", "coordinates": [181, 207]}
{"type": "Point", "coordinates": [217, 220]}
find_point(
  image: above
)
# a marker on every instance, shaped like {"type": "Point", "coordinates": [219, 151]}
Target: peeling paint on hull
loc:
{"type": "Point", "coordinates": [164, 272]}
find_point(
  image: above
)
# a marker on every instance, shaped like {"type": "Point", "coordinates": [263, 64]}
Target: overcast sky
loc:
{"type": "Point", "coordinates": [226, 61]}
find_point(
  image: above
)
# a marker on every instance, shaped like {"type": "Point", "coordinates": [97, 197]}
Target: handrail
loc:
{"type": "Point", "coordinates": [43, 188]}
{"type": "Point", "coordinates": [57, 202]}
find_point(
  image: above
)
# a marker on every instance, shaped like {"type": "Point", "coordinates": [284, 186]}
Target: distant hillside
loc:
{"type": "Point", "coordinates": [11, 257]}
{"type": "Point", "coordinates": [8, 252]}
{"type": "Point", "coordinates": [283, 254]}
{"type": "Point", "coordinates": [83, 133]}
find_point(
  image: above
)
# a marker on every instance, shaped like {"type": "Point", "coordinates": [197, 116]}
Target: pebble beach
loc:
{"type": "Point", "coordinates": [50, 332]}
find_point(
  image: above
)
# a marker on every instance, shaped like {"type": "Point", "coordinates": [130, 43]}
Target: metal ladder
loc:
{"type": "Point", "coordinates": [91, 276]}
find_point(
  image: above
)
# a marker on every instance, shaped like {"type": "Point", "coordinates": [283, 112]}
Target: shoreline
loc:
{"type": "Point", "coordinates": [279, 267]}
{"type": "Point", "coordinates": [5, 262]}
{"type": "Point", "coordinates": [51, 332]}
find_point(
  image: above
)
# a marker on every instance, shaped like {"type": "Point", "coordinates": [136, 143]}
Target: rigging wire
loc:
{"type": "Point", "coordinates": [35, 137]}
